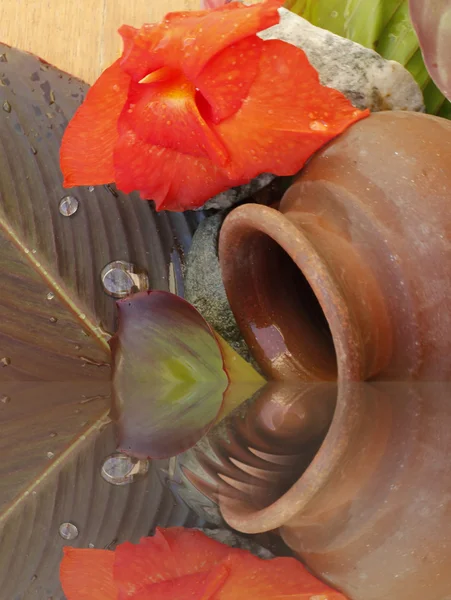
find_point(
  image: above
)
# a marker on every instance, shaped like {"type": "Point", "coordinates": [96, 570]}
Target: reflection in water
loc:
{"type": "Point", "coordinates": [47, 503]}
{"type": "Point", "coordinates": [356, 478]}
{"type": "Point", "coordinates": [389, 446]}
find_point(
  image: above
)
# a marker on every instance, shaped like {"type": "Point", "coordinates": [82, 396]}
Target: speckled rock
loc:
{"type": "Point", "coordinates": [364, 77]}
{"type": "Point", "coordinates": [232, 539]}
{"type": "Point", "coordinates": [203, 284]}
{"type": "Point", "coordinates": [238, 194]}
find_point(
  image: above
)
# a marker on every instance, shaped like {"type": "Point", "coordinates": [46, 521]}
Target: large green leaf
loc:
{"type": "Point", "coordinates": [54, 322]}
{"type": "Point", "coordinates": [384, 26]}
{"type": "Point", "coordinates": [171, 375]}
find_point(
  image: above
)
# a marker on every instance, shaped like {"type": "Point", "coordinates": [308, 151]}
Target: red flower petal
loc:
{"type": "Point", "coordinates": [165, 113]}
{"type": "Point", "coordinates": [287, 116]}
{"type": "Point", "coordinates": [88, 575]}
{"type": "Point", "coordinates": [252, 578]}
{"type": "Point", "coordinates": [188, 40]}
{"type": "Point", "coordinates": [197, 586]}
{"type": "Point", "coordinates": [169, 554]}
{"type": "Point", "coordinates": [175, 181]}
{"type": "Point", "coordinates": [223, 27]}
{"type": "Point", "coordinates": [223, 83]}
{"type": "Point", "coordinates": [87, 148]}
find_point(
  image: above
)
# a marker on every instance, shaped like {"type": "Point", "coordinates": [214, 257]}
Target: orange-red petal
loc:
{"type": "Point", "coordinates": [197, 586]}
{"type": "Point", "coordinates": [222, 27]}
{"type": "Point", "coordinates": [227, 78]}
{"type": "Point", "coordinates": [175, 181]}
{"type": "Point", "coordinates": [287, 116]}
{"type": "Point", "coordinates": [86, 154]}
{"type": "Point", "coordinates": [252, 578]}
{"type": "Point", "coordinates": [88, 574]}
{"type": "Point", "coordinates": [164, 113]}
{"type": "Point", "coordinates": [169, 554]}
{"type": "Point", "coordinates": [188, 40]}
{"type": "Point", "coordinates": [186, 587]}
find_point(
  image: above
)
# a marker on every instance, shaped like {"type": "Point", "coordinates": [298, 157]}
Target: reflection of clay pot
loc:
{"type": "Point", "coordinates": [370, 514]}
{"type": "Point", "coordinates": [353, 275]}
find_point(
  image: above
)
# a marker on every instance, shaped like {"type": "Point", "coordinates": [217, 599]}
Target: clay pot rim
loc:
{"type": "Point", "coordinates": [271, 222]}
{"type": "Point", "coordinates": [243, 517]}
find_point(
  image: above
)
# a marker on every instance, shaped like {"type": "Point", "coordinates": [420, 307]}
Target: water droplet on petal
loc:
{"type": "Point", "coordinates": [5, 361]}
{"type": "Point", "coordinates": [6, 106]}
{"type": "Point", "coordinates": [68, 531]}
{"type": "Point", "coordinates": [50, 296]}
{"type": "Point", "coordinates": [120, 469]}
{"type": "Point", "coordinates": [120, 279]}
{"type": "Point", "coordinates": [68, 206]}
{"type": "Point", "coordinates": [5, 399]}
{"type": "Point", "coordinates": [50, 455]}
{"type": "Point", "coordinates": [319, 126]}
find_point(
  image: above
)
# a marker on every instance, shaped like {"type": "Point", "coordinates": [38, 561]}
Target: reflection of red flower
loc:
{"type": "Point", "coordinates": [199, 104]}
{"type": "Point", "coordinates": [182, 563]}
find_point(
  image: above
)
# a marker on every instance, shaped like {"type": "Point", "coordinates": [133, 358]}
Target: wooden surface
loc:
{"type": "Point", "coordinates": [78, 36]}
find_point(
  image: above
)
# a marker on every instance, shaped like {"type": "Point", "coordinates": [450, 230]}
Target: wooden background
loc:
{"type": "Point", "coordinates": [78, 36]}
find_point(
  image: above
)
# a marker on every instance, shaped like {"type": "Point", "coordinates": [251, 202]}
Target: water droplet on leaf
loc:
{"type": "Point", "coordinates": [68, 531]}
{"type": "Point", "coordinates": [120, 279]}
{"type": "Point", "coordinates": [50, 296]}
{"type": "Point", "coordinates": [120, 469]}
{"type": "Point", "coordinates": [50, 455]}
{"type": "Point", "coordinates": [68, 206]}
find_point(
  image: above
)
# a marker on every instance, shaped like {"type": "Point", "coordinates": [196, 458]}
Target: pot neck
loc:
{"type": "Point", "coordinates": [303, 296]}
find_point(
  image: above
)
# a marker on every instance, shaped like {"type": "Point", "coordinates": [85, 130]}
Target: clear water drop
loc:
{"type": "Point", "coordinates": [319, 126]}
{"type": "Point", "coordinates": [68, 531]}
{"type": "Point", "coordinates": [50, 296]}
{"type": "Point", "coordinates": [68, 206]}
{"type": "Point", "coordinates": [5, 361]}
{"type": "Point", "coordinates": [120, 279]}
{"type": "Point", "coordinates": [50, 455]}
{"type": "Point", "coordinates": [5, 399]}
{"type": "Point", "coordinates": [120, 469]}
{"type": "Point", "coordinates": [334, 14]}
{"type": "Point", "coordinates": [53, 320]}
{"type": "Point", "coordinates": [91, 545]}
{"type": "Point", "coordinates": [91, 188]}
{"type": "Point", "coordinates": [6, 106]}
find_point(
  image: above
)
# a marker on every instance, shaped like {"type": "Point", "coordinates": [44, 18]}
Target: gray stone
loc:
{"type": "Point", "coordinates": [238, 194]}
{"type": "Point", "coordinates": [232, 539]}
{"type": "Point", "coordinates": [362, 75]}
{"type": "Point", "coordinates": [203, 284]}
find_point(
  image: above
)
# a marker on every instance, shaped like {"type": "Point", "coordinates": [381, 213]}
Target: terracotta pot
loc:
{"type": "Point", "coordinates": [352, 276]}
{"type": "Point", "coordinates": [371, 512]}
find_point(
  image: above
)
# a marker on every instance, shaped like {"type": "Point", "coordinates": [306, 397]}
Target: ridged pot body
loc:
{"type": "Point", "coordinates": [349, 280]}
{"type": "Point", "coordinates": [351, 277]}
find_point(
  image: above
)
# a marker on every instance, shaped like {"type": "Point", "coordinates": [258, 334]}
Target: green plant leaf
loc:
{"type": "Point", "coordinates": [169, 376]}
{"type": "Point", "coordinates": [432, 23]}
{"type": "Point", "coordinates": [54, 322]}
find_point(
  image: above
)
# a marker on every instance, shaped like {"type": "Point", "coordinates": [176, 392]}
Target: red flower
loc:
{"type": "Point", "coordinates": [199, 104]}
{"type": "Point", "coordinates": [182, 563]}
